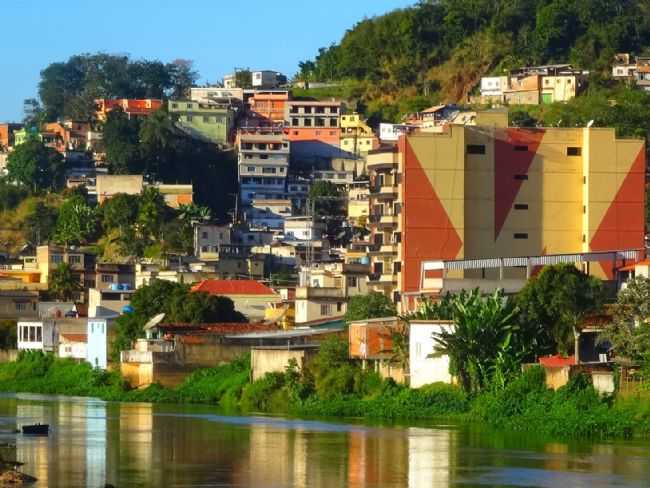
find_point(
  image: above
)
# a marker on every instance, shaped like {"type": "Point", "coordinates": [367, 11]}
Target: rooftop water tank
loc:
{"type": "Point", "coordinates": [127, 309]}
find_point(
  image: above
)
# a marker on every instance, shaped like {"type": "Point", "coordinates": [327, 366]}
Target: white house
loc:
{"type": "Point", "coordinates": [72, 346]}
{"type": "Point", "coordinates": [423, 368]}
{"type": "Point", "coordinates": [97, 342]}
{"type": "Point", "coordinates": [41, 335]}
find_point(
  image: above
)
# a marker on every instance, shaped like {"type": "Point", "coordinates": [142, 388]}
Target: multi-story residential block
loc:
{"type": "Point", "coordinates": [268, 107]}
{"type": "Point", "coordinates": [269, 214]}
{"type": "Point", "coordinates": [263, 163]}
{"type": "Point", "coordinates": [66, 136]}
{"type": "Point", "coordinates": [133, 108]}
{"type": "Point", "coordinates": [109, 302]}
{"type": "Point", "coordinates": [313, 127]}
{"type": "Point", "coordinates": [624, 67]}
{"type": "Point", "coordinates": [209, 237]}
{"type": "Point", "coordinates": [357, 138]}
{"type": "Point", "coordinates": [109, 274]}
{"type": "Point", "coordinates": [19, 304]}
{"type": "Point", "coordinates": [359, 203]}
{"type": "Point", "coordinates": [82, 264]}
{"type": "Point", "coordinates": [490, 192]}
{"type": "Point", "coordinates": [211, 122]}
{"type": "Point", "coordinates": [325, 289]}
{"type": "Point", "coordinates": [266, 79]}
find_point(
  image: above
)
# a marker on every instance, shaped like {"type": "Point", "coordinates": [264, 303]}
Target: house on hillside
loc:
{"type": "Point", "coordinates": [249, 296]}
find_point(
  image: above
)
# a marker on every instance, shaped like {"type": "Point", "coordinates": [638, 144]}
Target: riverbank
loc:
{"type": "Point", "coordinates": [525, 404]}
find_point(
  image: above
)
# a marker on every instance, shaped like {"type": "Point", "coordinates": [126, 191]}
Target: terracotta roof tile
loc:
{"type": "Point", "coordinates": [557, 361]}
{"type": "Point", "coordinates": [75, 337]}
{"type": "Point", "coordinates": [233, 287]}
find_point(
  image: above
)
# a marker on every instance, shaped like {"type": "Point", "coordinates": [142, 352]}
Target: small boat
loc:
{"type": "Point", "coordinates": [36, 429]}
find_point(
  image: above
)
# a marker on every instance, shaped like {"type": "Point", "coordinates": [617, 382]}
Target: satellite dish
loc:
{"type": "Point", "coordinates": [590, 123]}
{"type": "Point", "coordinates": [154, 321]}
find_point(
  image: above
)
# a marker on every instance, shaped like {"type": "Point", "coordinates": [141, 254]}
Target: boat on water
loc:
{"type": "Point", "coordinates": [36, 429]}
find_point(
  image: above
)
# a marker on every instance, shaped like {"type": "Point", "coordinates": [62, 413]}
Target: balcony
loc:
{"type": "Point", "coordinates": [318, 293]}
{"type": "Point", "coordinates": [390, 249]}
{"type": "Point", "coordinates": [384, 191]}
{"type": "Point", "coordinates": [382, 279]}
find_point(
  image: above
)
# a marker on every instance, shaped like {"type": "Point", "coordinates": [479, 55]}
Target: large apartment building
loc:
{"type": "Point", "coordinates": [210, 122]}
{"type": "Point", "coordinates": [313, 127]}
{"type": "Point", "coordinates": [263, 163]}
{"type": "Point", "coordinates": [475, 192]}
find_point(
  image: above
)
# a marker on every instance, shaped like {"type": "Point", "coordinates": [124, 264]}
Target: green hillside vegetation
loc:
{"type": "Point", "coordinates": [438, 50]}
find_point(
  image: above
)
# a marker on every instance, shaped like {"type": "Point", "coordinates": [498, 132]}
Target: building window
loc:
{"type": "Point", "coordinates": [307, 122]}
{"type": "Point", "coordinates": [573, 151]}
{"type": "Point", "coordinates": [307, 110]}
{"type": "Point", "coordinates": [188, 118]}
{"type": "Point", "coordinates": [56, 258]}
{"type": "Point", "coordinates": [475, 149]}
{"type": "Point", "coordinates": [106, 278]}
{"type": "Point", "coordinates": [339, 306]}
{"type": "Point", "coordinates": [174, 105]}
{"type": "Point", "coordinates": [294, 122]}
{"type": "Point", "coordinates": [74, 259]}
{"type": "Point", "coordinates": [268, 170]}
{"type": "Point", "coordinates": [352, 281]}
{"type": "Point", "coordinates": [251, 168]}
{"type": "Point", "coordinates": [334, 110]}
{"type": "Point", "coordinates": [189, 105]}
{"type": "Point", "coordinates": [521, 177]}
{"type": "Point", "coordinates": [520, 235]}
{"type": "Point", "coordinates": [325, 309]}
{"type": "Point", "coordinates": [334, 123]}
{"type": "Point", "coordinates": [206, 118]}
{"type": "Point", "coordinates": [21, 306]}
{"type": "Point", "coordinates": [521, 206]}
{"type": "Point", "coordinates": [521, 148]}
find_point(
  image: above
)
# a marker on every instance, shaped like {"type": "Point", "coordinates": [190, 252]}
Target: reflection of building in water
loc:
{"type": "Point", "coordinates": [429, 457]}
{"type": "Point", "coordinates": [136, 437]}
{"type": "Point", "coordinates": [277, 457]}
{"type": "Point", "coordinates": [74, 454]}
{"type": "Point", "coordinates": [376, 458]}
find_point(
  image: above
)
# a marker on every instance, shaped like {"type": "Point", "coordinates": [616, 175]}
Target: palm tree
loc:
{"type": "Point", "coordinates": [192, 213]}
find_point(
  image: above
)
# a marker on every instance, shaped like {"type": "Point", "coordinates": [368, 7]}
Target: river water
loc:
{"type": "Point", "coordinates": [144, 445]}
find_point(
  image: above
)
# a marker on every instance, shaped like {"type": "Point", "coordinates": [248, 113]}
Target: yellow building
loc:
{"type": "Point", "coordinates": [358, 203]}
{"type": "Point", "coordinates": [357, 137]}
{"type": "Point", "coordinates": [477, 192]}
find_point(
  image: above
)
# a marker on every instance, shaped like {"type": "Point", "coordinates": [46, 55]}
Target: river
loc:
{"type": "Point", "coordinates": [143, 445]}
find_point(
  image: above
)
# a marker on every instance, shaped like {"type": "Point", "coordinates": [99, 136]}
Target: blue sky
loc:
{"type": "Point", "coordinates": [217, 34]}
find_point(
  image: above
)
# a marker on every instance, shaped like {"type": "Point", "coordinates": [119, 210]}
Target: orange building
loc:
{"type": "Point", "coordinates": [132, 107]}
{"type": "Point", "coordinates": [269, 106]}
{"type": "Point", "coordinates": [313, 127]}
{"type": "Point", "coordinates": [7, 135]}
{"type": "Point", "coordinates": [476, 192]}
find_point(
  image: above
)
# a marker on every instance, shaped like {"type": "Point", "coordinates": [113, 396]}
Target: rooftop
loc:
{"type": "Point", "coordinates": [233, 287]}
{"type": "Point", "coordinates": [74, 338]}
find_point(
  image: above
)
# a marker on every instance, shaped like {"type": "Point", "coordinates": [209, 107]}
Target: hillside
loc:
{"type": "Point", "coordinates": [438, 50]}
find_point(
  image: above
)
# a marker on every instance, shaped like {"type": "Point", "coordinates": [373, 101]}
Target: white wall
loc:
{"type": "Point", "coordinates": [74, 350]}
{"type": "Point", "coordinates": [424, 369]}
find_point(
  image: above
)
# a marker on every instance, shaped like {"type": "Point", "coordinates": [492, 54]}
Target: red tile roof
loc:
{"type": "Point", "coordinates": [216, 329]}
{"type": "Point", "coordinates": [233, 287]}
{"type": "Point", "coordinates": [557, 361]}
{"type": "Point", "coordinates": [75, 337]}
{"type": "Point", "coordinates": [631, 267]}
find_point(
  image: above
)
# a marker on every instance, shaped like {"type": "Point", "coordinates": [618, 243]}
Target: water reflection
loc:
{"type": "Point", "coordinates": [93, 443]}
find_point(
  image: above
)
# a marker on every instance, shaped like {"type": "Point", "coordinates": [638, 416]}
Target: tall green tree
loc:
{"type": "Point", "coordinates": [151, 213]}
{"type": "Point", "coordinates": [62, 283]}
{"type": "Point", "coordinates": [121, 143]}
{"type": "Point", "coordinates": [119, 212]}
{"type": "Point", "coordinates": [555, 302]}
{"type": "Point", "coordinates": [35, 166]}
{"type": "Point", "coordinates": [76, 223]}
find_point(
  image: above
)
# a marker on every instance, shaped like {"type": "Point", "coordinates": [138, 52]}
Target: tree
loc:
{"type": "Point", "coordinates": [119, 212]}
{"type": "Point", "coordinates": [62, 283]}
{"type": "Point", "coordinates": [481, 345]}
{"type": "Point", "coordinates": [182, 77]}
{"type": "Point", "coordinates": [193, 214]}
{"type": "Point", "coordinates": [8, 334]}
{"type": "Point", "coordinates": [151, 213]}
{"type": "Point", "coordinates": [35, 166]}
{"type": "Point", "coordinates": [370, 306]}
{"type": "Point", "coordinates": [554, 303]}
{"type": "Point", "coordinates": [121, 143]}
{"type": "Point", "coordinates": [326, 198]}
{"type": "Point", "coordinates": [40, 221]}
{"type": "Point", "coordinates": [76, 222]}
{"type": "Point", "coordinates": [629, 332]}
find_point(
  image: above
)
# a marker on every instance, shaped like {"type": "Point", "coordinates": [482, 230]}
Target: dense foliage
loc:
{"type": "Point", "coordinates": [68, 89]}
{"type": "Point", "coordinates": [409, 58]}
{"type": "Point", "coordinates": [369, 306]}
{"type": "Point", "coordinates": [556, 301]}
{"type": "Point", "coordinates": [62, 284]}
{"type": "Point", "coordinates": [35, 166]}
